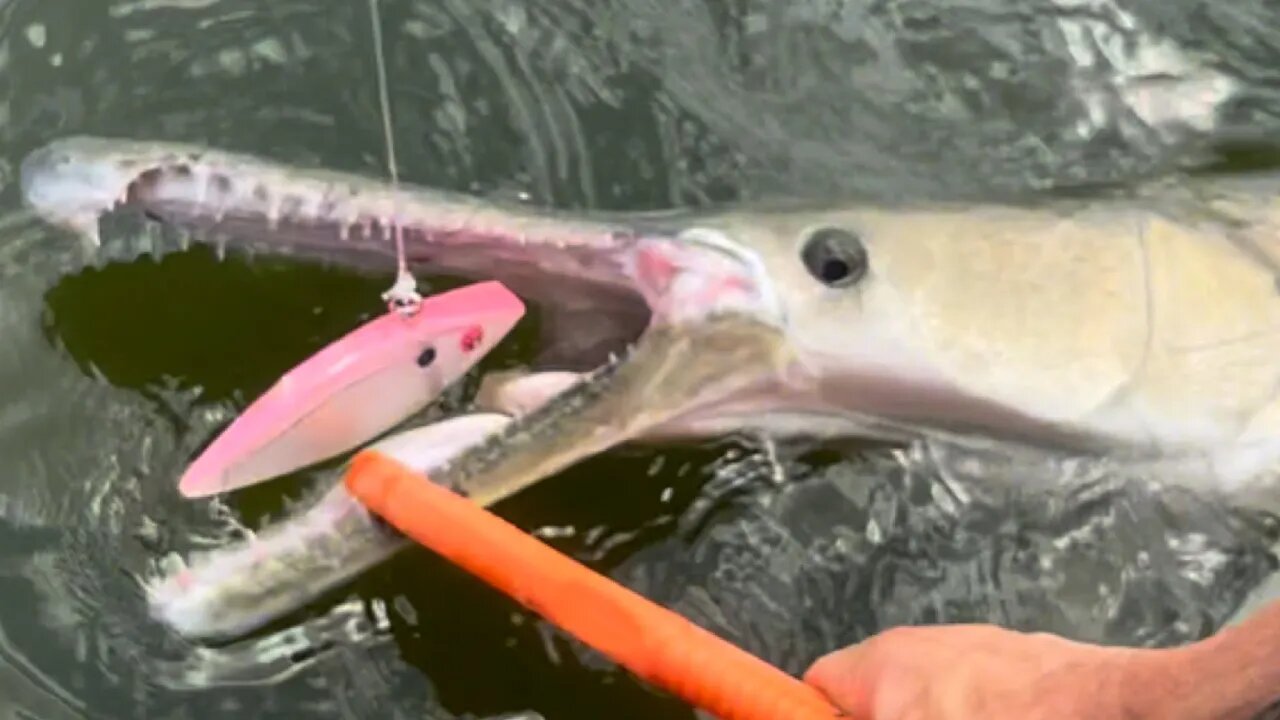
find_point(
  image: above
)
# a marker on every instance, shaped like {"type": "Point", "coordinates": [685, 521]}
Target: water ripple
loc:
{"type": "Point", "coordinates": [106, 390]}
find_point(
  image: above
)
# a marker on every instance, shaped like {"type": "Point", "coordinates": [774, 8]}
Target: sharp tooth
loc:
{"type": "Point", "coordinates": [348, 221]}
{"type": "Point", "coordinates": [172, 563]}
{"type": "Point", "coordinates": [147, 241]}
{"type": "Point", "coordinates": [304, 209]}
{"type": "Point", "coordinates": [86, 226]}
{"type": "Point", "coordinates": [91, 240]}
{"type": "Point", "coordinates": [202, 189]}
{"type": "Point", "coordinates": [220, 245]}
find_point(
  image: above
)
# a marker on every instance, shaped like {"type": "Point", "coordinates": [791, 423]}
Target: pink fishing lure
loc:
{"type": "Point", "coordinates": [356, 388]}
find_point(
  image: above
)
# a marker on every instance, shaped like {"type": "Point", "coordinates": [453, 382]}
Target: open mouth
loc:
{"type": "Point", "coordinates": [669, 324]}
{"type": "Point", "coordinates": [648, 323]}
{"type": "Point", "coordinates": [598, 282]}
{"type": "Point", "coordinates": [660, 317]}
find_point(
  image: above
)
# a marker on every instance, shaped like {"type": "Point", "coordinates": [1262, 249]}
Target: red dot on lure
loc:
{"type": "Point", "coordinates": [472, 337]}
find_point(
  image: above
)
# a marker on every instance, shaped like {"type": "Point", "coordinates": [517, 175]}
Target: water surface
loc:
{"type": "Point", "coordinates": [116, 367]}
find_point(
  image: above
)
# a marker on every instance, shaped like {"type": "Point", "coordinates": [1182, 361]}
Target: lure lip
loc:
{"type": "Point", "coordinates": [476, 317]}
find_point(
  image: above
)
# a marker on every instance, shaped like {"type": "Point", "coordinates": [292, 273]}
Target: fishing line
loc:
{"type": "Point", "coordinates": [404, 293]}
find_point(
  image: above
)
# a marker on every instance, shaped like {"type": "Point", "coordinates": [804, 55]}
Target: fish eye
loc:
{"type": "Point", "coordinates": [426, 357]}
{"type": "Point", "coordinates": [835, 257]}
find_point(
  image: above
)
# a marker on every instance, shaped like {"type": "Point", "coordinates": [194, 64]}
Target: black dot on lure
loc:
{"type": "Point", "coordinates": [426, 357]}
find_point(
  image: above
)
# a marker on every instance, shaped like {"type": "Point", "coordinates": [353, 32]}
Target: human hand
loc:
{"type": "Point", "coordinates": [966, 672]}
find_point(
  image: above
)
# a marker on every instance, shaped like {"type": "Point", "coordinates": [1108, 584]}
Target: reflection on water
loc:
{"type": "Point", "coordinates": [113, 373]}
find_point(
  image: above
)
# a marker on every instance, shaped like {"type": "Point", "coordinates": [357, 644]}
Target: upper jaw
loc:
{"type": "Point", "coordinates": [662, 268]}
{"type": "Point", "coordinates": [73, 181]}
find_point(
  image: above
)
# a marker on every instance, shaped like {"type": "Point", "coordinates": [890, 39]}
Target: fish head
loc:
{"type": "Point", "coordinates": [356, 388]}
{"type": "Point", "coordinates": [998, 320]}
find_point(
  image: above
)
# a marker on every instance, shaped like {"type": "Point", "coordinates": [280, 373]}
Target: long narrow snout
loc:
{"type": "Point", "coordinates": [238, 588]}
{"type": "Point", "coordinates": [73, 181]}
{"type": "Point", "coordinates": [577, 269]}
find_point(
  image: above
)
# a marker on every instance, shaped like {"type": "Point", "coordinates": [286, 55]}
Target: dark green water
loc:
{"type": "Point", "coordinates": [113, 373]}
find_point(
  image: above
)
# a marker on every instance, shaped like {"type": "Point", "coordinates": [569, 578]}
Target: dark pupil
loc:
{"type": "Point", "coordinates": [834, 270]}
{"type": "Point", "coordinates": [427, 357]}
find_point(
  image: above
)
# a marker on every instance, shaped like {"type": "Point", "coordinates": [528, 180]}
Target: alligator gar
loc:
{"type": "Point", "coordinates": [1142, 325]}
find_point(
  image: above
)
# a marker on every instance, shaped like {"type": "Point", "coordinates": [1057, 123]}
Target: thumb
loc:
{"type": "Point", "coordinates": [846, 678]}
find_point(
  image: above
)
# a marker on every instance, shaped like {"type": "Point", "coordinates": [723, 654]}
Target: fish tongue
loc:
{"type": "Point", "coordinates": [672, 370]}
